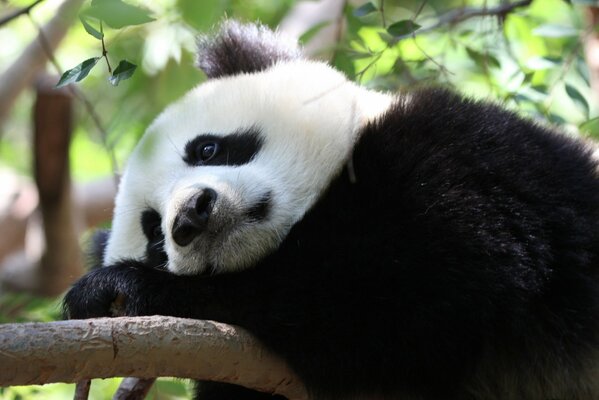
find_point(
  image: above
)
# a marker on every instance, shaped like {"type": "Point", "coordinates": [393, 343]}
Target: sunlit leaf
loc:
{"type": "Point", "coordinates": [118, 14]}
{"type": "Point", "coordinates": [365, 9]}
{"type": "Point", "coordinates": [90, 29]}
{"type": "Point", "coordinates": [123, 71]}
{"type": "Point", "coordinates": [78, 73]}
{"type": "Point", "coordinates": [540, 63]}
{"type": "Point", "coordinates": [578, 98]}
{"type": "Point", "coordinates": [402, 28]}
{"type": "Point", "coordinates": [555, 31]}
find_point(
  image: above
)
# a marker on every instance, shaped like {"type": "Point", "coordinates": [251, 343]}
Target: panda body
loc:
{"type": "Point", "coordinates": [410, 246]}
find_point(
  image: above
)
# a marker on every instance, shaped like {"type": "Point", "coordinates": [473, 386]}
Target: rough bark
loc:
{"type": "Point", "coordinates": [143, 347]}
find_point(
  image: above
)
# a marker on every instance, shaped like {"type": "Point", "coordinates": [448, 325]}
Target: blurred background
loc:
{"type": "Point", "coordinates": [122, 61]}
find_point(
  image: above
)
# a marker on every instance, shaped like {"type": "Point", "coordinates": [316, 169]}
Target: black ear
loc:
{"type": "Point", "coordinates": [243, 48]}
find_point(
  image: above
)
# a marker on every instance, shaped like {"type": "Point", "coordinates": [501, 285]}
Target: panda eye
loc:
{"type": "Point", "coordinates": [206, 151]}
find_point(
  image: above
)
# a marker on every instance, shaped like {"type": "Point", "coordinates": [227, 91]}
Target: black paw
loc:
{"type": "Point", "coordinates": [107, 292]}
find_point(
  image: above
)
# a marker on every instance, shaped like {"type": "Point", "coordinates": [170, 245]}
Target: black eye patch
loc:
{"type": "Point", "coordinates": [237, 148]}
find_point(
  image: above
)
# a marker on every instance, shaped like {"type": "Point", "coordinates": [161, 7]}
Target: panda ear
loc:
{"type": "Point", "coordinates": [243, 48]}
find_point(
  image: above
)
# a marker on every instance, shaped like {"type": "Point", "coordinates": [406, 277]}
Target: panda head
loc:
{"type": "Point", "coordinates": [221, 176]}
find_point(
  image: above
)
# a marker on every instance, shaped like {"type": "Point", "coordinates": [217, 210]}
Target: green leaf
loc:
{"type": "Point", "coordinates": [556, 119]}
{"type": "Point", "coordinates": [522, 98]}
{"type": "Point", "coordinates": [117, 14]}
{"type": "Point", "coordinates": [310, 33]}
{"type": "Point", "coordinates": [578, 99]}
{"type": "Point", "coordinates": [555, 31]}
{"type": "Point", "coordinates": [541, 63]}
{"type": "Point", "coordinates": [365, 9]}
{"type": "Point", "coordinates": [528, 77]}
{"type": "Point", "coordinates": [590, 127]}
{"type": "Point", "coordinates": [583, 70]}
{"type": "Point", "coordinates": [78, 73]}
{"type": "Point", "coordinates": [201, 15]}
{"type": "Point", "coordinates": [483, 60]}
{"type": "Point", "coordinates": [541, 90]}
{"type": "Point", "coordinates": [90, 29]}
{"type": "Point", "coordinates": [402, 28]}
{"type": "Point", "coordinates": [123, 71]}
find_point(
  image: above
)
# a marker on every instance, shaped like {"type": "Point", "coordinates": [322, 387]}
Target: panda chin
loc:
{"type": "Point", "coordinates": [238, 250]}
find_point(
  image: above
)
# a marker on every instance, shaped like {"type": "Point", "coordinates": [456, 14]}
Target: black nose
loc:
{"type": "Point", "coordinates": [193, 217]}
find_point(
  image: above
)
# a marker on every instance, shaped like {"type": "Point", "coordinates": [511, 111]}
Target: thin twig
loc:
{"type": "Point", "coordinates": [376, 58]}
{"type": "Point", "coordinates": [104, 51]}
{"type": "Point", "coordinates": [564, 70]}
{"type": "Point", "coordinates": [417, 14]}
{"type": "Point", "coordinates": [382, 11]}
{"type": "Point", "coordinates": [79, 95]}
{"type": "Point", "coordinates": [459, 15]}
{"type": "Point", "coordinates": [17, 13]}
{"type": "Point", "coordinates": [338, 30]}
{"type": "Point", "coordinates": [442, 67]}
{"type": "Point", "coordinates": [82, 390]}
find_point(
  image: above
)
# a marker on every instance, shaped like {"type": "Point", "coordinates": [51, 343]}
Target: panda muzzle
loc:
{"type": "Point", "coordinates": [193, 217]}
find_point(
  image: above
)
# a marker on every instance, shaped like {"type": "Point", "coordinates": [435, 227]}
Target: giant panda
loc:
{"type": "Point", "coordinates": [412, 245]}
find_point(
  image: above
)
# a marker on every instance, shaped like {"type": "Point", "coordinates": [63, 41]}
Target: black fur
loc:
{"type": "Point", "coordinates": [242, 48]}
{"type": "Point", "coordinates": [462, 263]}
{"type": "Point", "coordinates": [95, 249]}
{"type": "Point", "coordinates": [150, 225]}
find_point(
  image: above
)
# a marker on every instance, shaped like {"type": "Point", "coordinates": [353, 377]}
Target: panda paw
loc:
{"type": "Point", "coordinates": [108, 292]}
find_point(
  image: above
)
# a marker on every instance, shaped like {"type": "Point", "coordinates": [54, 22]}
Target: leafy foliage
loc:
{"type": "Point", "coordinates": [530, 58]}
{"type": "Point", "coordinates": [117, 14]}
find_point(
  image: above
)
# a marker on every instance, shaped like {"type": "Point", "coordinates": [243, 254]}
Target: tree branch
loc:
{"type": "Point", "coordinates": [24, 69]}
{"type": "Point", "coordinates": [458, 15]}
{"type": "Point", "coordinates": [144, 347]}
{"type": "Point", "coordinates": [17, 13]}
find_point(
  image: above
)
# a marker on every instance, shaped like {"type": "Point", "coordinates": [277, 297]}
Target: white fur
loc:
{"type": "Point", "coordinates": [309, 116]}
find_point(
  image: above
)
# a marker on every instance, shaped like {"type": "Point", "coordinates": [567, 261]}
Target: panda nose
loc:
{"type": "Point", "coordinates": [193, 217]}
